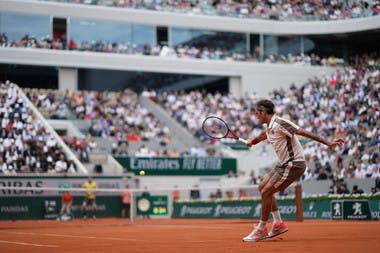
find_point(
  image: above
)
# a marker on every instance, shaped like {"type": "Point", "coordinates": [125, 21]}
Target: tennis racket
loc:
{"type": "Point", "coordinates": [216, 128]}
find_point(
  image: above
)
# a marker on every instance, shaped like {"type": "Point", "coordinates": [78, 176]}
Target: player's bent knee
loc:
{"type": "Point", "coordinates": [267, 192]}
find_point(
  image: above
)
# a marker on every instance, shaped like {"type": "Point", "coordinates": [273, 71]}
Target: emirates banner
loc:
{"type": "Point", "coordinates": [195, 166]}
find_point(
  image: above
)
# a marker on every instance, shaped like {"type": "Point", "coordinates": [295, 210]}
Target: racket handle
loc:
{"type": "Point", "coordinates": [243, 140]}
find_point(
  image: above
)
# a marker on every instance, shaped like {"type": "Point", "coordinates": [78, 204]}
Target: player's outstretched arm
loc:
{"type": "Point", "coordinates": [310, 135]}
{"type": "Point", "coordinates": [262, 136]}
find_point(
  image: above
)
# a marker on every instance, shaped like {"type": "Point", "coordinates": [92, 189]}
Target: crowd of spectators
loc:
{"type": "Point", "coordinates": [82, 146]}
{"type": "Point", "coordinates": [179, 51]}
{"type": "Point", "coordinates": [191, 108]}
{"type": "Point", "coordinates": [117, 116]}
{"type": "Point", "coordinates": [120, 117]}
{"type": "Point", "coordinates": [344, 104]}
{"type": "Point", "coordinates": [52, 103]}
{"type": "Point", "coordinates": [288, 10]}
{"type": "Point", "coordinates": [25, 145]}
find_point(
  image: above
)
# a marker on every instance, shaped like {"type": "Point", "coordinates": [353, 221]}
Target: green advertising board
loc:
{"type": "Point", "coordinates": [17, 208]}
{"type": "Point", "coordinates": [313, 209]}
{"type": "Point", "coordinates": [198, 166]}
{"type": "Point", "coordinates": [39, 203]}
{"type": "Point", "coordinates": [229, 209]}
{"type": "Point", "coordinates": [152, 205]}
{"type": "Point", "coordinates": [316, 209]}
{"type": "Point", "coordinates": [351, 209]}
{"type": "Point", "coordinates": [47, 207]}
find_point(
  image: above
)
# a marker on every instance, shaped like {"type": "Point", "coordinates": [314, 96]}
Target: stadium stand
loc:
{"type": "Point", "coordinates": [268, 9]}
{"type": "Point", "coordinates": [331, 105]}
{"type": "Point", "coordinates": [313, 99]}
{"type": "Point", "coordinates": [117, 90]}
{"type": "Point", "coordinates": [26, 145]}
{"type": "Point", "coordinates": [347, 98]}
{"type": "Point", "coordinates": [136, 132]}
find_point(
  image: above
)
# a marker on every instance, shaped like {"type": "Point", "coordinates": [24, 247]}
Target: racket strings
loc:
{"type": "Point", "coordinates": [215, 128]}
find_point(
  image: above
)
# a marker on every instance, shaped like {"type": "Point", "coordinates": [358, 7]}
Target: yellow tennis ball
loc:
{"type": "Point", "coordinates": [142, 173]}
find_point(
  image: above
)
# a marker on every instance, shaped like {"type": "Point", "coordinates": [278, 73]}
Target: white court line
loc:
{"type": "Point", "coordinates": [107, 238]}
{"type": "Point", "coordinates": [181, 226]}
{"type": "Point", "coordinates": [78, 236]}
{"type": "Point", "coordinates": [30, 244]}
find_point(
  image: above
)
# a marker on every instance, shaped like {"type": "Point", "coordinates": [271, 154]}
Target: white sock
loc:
{"type": "Point", "coordinates": [262, 224]}
{"type": "Point", "coordinates": [276, 217]}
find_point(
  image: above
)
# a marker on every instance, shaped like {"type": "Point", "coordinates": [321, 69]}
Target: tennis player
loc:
{"type": "Point", "coordinates": [90, 196]}
{"type": "Point", "coordinates": [282, 134]}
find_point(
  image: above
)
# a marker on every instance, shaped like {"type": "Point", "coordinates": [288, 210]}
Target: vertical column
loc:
{"type": "Point", "coordinates": [162, 36]}
{"type": "Point", "coordinates": [261, 58]}
{"type": "Point", "coordinates": [299, 202]}
{"type": "Point", "coordinates": [68, 79]}
{"type": "Point", "coordinates": [235, 86]}
{"type": "Point", "coordinates": [248, 43]}
{"type": "Point", "coordinates": [59, 26]}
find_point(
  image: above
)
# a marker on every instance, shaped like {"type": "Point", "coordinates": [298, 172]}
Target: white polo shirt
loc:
{"type": "Point", "coordinates": [281, 134]}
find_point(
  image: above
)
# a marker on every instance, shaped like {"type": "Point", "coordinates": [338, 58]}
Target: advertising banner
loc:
{"type": "Point", "coordinates": [196, 166]}
{"type": "Point", "coordinates": [45, 204]}
{"type": "Point", "coordinates": [22, 208]}
{"type": "Point", "coordinates": [313, 209]}
{"type": "Point", "coordinates": [54, 182]}
{"type": "Point", "coordinates": [351, 209]}
{"type": "Point", "coordinates": [227, 209]}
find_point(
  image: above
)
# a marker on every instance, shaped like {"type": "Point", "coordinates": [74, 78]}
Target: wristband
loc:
{"type": "Point", "coordinates": [254, 141]}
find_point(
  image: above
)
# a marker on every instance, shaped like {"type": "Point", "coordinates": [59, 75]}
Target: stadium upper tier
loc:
{"type": "Point", "coordinates": [204, 50]}
{"type": "Point", "coordinates": [245, 76]}
{"type": "Point", "coordinates": [100, 28]}
{"type": "Point", "coordinates": [142, 16]}
{"type": "Point", "coordinates": [290, 10]}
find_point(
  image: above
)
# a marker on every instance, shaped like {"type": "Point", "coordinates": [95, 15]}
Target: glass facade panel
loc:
{"type": "Point", "coordinates": [324, 46]}
{"type": "Point", "coordinates": [282, 45]}
{"type": "Point", "coordinates": [226, 41]}
{"type": "Point", "coordinates": [16, 26]}
{"type": "Point", "coordinates": [254, 46]}
{"type": "Point", "coordinates": [143, 34]}
{"type": "Point", "coordinates": [139, 37]}
{"type": "Point", "coordinates": [98, 30]}
{"type": "Point", "coordinates": [180, 36]}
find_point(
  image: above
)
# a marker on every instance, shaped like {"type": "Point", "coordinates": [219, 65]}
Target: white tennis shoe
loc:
{"type": "Point", "coordinates": [278, 229]}
{"type": "Point", "coordinates": [257, 234]}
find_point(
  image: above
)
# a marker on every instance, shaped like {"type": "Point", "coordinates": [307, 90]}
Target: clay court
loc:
{"type": "Point", "coordinates": [184, 235]}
